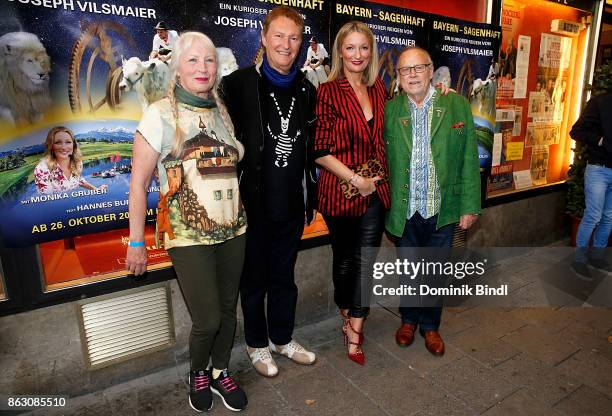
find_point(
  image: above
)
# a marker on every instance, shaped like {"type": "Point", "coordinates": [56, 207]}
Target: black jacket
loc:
{"type": "Point", "coordinates": [242, 91]}
{"type": "Point", "coordinates": [595, 123]}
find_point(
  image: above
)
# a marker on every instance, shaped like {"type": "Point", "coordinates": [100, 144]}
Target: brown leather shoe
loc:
{"type": "Point", "coordinates": [433, 342]}
{"type": "Point", "coordinates": [404, 336]}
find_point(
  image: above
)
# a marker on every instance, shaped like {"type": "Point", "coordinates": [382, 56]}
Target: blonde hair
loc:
{"type": "Point", "coordinates": [184, 42]}
{"type": "Point", "coordinates": [76, 162]}
{"type": "Point", "coordinates": [337, 70]}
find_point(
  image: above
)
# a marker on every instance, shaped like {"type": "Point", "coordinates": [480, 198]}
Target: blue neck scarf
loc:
{"type": "Point", "coordinates": [276, 78]}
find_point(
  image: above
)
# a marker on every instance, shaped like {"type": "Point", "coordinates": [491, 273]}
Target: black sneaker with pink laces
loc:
{"type": "Point", "coordinates": [232, 395]}
{"type": "Point", "coordinates": [200, 396]}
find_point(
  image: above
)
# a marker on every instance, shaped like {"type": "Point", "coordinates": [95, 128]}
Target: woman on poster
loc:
{"type": "Point", "coordinates": [189, 137]}
{"type": "Point", "coordinates": [350, 108]}
{"type": "Point", "coordinates": [61, 167]}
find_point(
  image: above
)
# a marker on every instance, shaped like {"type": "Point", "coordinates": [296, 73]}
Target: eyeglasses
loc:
{"type": "Point", "coordinates": [406, 70]}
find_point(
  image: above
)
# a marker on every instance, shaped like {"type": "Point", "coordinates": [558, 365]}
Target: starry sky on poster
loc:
{"type": "Point", "coordinates": [58, 30]}
{"type": "Point", "coordinates": [239, 28]}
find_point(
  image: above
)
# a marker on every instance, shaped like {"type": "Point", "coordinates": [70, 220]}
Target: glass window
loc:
{"type": "Point", "coordinates": [538, 79]}
{"type": "Point", "coordinates": [94, 257]}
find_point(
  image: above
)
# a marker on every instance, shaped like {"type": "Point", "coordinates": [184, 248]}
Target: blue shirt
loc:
{"type": "Point", "coordinates": [424, 186]}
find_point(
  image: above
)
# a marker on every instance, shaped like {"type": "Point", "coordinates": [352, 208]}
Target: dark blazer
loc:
{"type": "Point", "coordinates": [343, 132]}
{"type": "Point", "coordinates": [454, 151]}
{"type": "Point", "coordinates": [242, 91]}
{"type": "Point", "coordinates": [594, 123]}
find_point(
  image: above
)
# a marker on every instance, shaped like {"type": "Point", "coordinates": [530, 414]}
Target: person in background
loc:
{"type": "Point", "coordinates": [163, 42]}
{"type": "Point", "coordinates": [493, 70]}
{"type": "Point", "coordinates": [200, 220]}
{"type": "Point", "coordinates": [434, 175]}
{"type": "Point", "coordinates": [594, 130]}
{"type": "Point", "coordinates": [316, 59]}
{"type": "Point", "coordinates": [272, 107]}
{"type": "Point", "coordinates": [60, 168]}
{"type": "Point", "coordinates": [350, 110]}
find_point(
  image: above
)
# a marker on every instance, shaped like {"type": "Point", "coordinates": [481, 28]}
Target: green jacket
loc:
{"type": "Point", "coordinates": [454, 151]}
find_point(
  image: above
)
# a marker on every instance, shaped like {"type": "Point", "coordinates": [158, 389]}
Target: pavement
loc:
{"type": "Point", "coordinates": [512, 360]}
{"type": "Point", "coordinates": [539, 361]}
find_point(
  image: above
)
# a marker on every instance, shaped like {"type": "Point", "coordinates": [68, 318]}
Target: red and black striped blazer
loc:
{"type": "Point", "coordinates": [343, 132]}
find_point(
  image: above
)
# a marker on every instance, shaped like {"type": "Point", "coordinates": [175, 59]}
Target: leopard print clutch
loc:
{"type": "Point", "coordinates": [369, 169]}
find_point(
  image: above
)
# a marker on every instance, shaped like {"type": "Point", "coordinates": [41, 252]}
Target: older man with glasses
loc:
{"type": "Point", "coordinates": [434, 174]}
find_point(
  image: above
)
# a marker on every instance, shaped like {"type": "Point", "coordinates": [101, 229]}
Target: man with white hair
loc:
{"type": "Point", "coordinates": [434, 174]}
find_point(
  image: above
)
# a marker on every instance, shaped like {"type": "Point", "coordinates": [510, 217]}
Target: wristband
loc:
{"type": "Point", "coordinates": [136, 244]}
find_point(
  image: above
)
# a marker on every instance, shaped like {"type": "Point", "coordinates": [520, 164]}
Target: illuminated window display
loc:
{"type": "Point", "coordinates": [539, 73]}
{"type": "Point", "coordinates": [92, 258]}
{"type": "Point", "coordinates": [101, 256]}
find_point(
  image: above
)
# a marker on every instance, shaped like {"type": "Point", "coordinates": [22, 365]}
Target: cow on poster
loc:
{"type": "Point", "coordinates": [72, 52]}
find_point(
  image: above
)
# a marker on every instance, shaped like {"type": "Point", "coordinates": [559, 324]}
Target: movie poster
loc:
{"type": "Point", "coordinates": [63, 67]}
{"type": "Point", "coordinates": [394, 29]}
{"type": "Point", "coordinates": [85, 65]}
{"type": "Point", "coordinates": [463, 54]}
{"type": "Point", "coordinates": [235, 26]}
{"type": "Point", "coordinates": [466, 53]}
{"type": "Point", "coordinates": [512, 14]}
{"type": "Point", "coordinates": [501, 178]}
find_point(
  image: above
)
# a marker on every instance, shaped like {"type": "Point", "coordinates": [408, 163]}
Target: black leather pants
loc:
{"type": "Point", "coordinates": [352, 288]}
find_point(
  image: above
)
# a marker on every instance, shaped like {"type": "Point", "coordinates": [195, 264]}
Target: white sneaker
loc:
{"type": "Point", "coordinates": [262, 361]}
{"type": "Point", "coordinates": [295, 352]}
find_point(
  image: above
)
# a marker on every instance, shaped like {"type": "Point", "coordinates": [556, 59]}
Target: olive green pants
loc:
{"type": "Point", "coordinates": [209, 277]}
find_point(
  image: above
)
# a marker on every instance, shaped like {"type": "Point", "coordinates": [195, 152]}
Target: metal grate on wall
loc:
{"type": "Point", "coordinates": [124, 325]}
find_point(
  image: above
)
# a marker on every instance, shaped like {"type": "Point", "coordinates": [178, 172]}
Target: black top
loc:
{"type": "Point", "coordinates": [594, 128]}
{"type": "Point", "coordinates": [244, 93]}
{"type": "Point", "coordinates": [284, 155]}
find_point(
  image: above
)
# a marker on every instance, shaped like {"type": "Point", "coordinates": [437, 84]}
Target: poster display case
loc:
{"type": "Point", "coordinates": [539, 73]}
{"type": "Point", "coordinates": [68, 236]}
{"type": "Point", "coordinates": [92, 258]}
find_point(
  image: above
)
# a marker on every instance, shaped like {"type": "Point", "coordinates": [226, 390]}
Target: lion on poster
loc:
{"type": "Point", "coordinates": [24, 78]}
